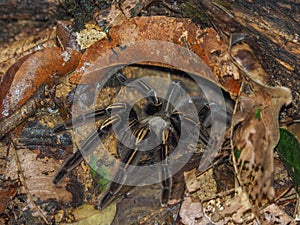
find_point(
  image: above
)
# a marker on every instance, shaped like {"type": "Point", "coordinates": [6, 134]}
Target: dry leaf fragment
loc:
{"type": "Point", "coordinates": [191, 212]}
{"type": "Point", "coordinates": [256, 129]}
{"type": "Point", "coordinates": [38, 174]}
{"type": "Point", "coordinates": [24, 46]}
{"type": "Point", "coordinates": [88, 215]}
{"type": "Point", "coordinates": [78, 41]}
{"type": "Point", "coordinates": [274, 215]}
{"type": "Point", "coordinates": [191, 181]}
{"type": "Point", "coordinates": [23, 79]}
{"type": "Point", "coordinates": [66, 36]}
{"type": "Point", "coordinates": [89, 35]}
{"type": "Point", "coordinates": [120, 11]}
{"type": "Point", "coordinates": [245, 59]}
{"type": "Point", "coordinates": [257, 135]}
{"type": "Point", "coordinates": [6, 195]}
{"type": "Point", "coordinates": [238, 207]}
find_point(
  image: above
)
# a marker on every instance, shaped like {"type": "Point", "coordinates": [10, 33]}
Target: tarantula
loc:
{"type": "Point", "coordinates": [154, 125]}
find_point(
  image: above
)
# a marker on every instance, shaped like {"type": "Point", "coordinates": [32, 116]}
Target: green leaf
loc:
{"type": "Point", "coordinates": [289, 152]}
{"type": "Point", "coordinates": [237, 153]}
{"type": "Point", "coordinates": [257, 113]}
{"type": "Point", "coordinates": [99, 173]}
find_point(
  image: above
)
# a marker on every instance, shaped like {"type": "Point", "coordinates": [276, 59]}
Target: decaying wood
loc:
{"type": "Point", "coordinates": [273, 32]}
{"type": "Point", "coordinates": [273, 28]}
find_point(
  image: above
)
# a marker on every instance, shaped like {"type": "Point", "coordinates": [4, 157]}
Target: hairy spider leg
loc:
{"type": "Point", "coordinates": [145, 89]}
{"type": "Point", "coordinates": [140, 85]}
{"type": "Point", "coordinates": [203, 115]}
{"type": "Point", "coordinates": [89, 144]}
{"type": "Point", "coordinates": [131, 158]}
{"type": "Point", "coordinates": [102, 131]}
{"type": "Point", "coordinates": [159, 110]}
{"type": "Point", "coordinates": [133, 155]}
{"type": "Point", "coordinates": [176, 119]}
{"type": "Point", "coordinates": [165, 174]}
{"type": "Point", "coordinates": [176, 116]}
{"type": "Point", "coordinates": [89, 117]}
{"type": "Point", "coordinates": [163, 129]}
{"type": "Point", "coordinates": [173, 96]}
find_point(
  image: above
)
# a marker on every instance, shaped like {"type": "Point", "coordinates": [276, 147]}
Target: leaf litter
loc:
{"type": "Point", "coordinates": [255, 133]}
{"type": "Point", "coordinates": [255, 129]}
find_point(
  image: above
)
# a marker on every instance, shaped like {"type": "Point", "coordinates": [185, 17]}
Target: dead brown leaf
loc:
{"type": "Point", "coordinates": [121, 11]}
{"type": "Point", "coordinates": [9, 54]}
{"type": "Point", "coordinates": [23, 78]}
{"type": "Point", "coordinates": [274, 215]}
{"type": "Point", "coordinates": [238, 207]}
{"type": "Point", "coordinates": [131, 40]}
{"type": "Point", "coordinates": [258, 134]}
{"type": "Point", "coordinates": [38, 174]}
{"type": "Point", "coordinates": [191, 182]}
{"type": "Point", "coordinates": [6, 195]}
{"type": "Point", "coordinates": [191, 213]}
{"type": "Point", "coordinates": [255, 132]}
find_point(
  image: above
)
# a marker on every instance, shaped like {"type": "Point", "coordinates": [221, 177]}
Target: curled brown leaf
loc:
{"type": "Point", "coordinates": [23, 78]}
{"type": "Point", "coordinates": [130, 40]}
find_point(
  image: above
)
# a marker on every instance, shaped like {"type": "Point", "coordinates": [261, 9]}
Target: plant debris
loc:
{"type": "Point", "coordinates": [231, 64]}
{"type": "Point", "coordinates": [255, 136]}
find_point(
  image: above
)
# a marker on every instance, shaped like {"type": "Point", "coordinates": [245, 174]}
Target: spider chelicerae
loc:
{"type": "Point", "coordinates": [167, 125]}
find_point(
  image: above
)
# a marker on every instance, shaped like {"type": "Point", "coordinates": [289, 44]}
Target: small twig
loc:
{"type": "Point", "coordinates": [284, 193]}
{"type": "Point", "coordinates": [171, 7]}
{"type": "Point", "coordinates": [297, 209]}
{"type": "Point", "coordinates": [288, 122]}
{"type": "Point", "coordinates": [224, 9]}
{"type": "Point", "coordinates": [23, 181]}
{"type": "Point", "coordinates": [219, 195]}
{"type": "Point", "coordinates": [38, 100]}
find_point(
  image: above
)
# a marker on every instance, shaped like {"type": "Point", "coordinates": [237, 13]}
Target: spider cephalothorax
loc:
{"type": "Point", "coordinates": [158, 125]}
